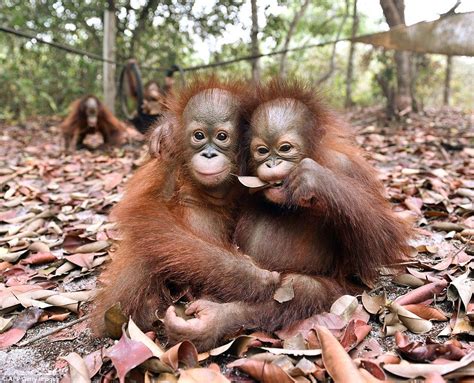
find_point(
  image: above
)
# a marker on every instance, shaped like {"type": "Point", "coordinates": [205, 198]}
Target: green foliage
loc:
{"type": "Point", "coordinates": [38, 79]}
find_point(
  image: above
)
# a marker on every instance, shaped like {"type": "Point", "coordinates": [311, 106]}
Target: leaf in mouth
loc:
{"type": "Point", "coordinates": [251, 182]}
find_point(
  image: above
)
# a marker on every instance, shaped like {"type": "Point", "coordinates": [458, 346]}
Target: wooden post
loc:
{"type": "Point", "coordinates": [110, 90]}
{"type": "Point", "coordinates": [447, 80]}
{"type": "Point", "coordinates": [350, 62]}
{"type": "Point", "coordinates": [254, 42]}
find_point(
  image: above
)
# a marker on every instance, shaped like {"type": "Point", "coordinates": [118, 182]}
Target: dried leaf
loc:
{"type": "Point", "coordinates": [199, 375]}
{"type": "Point", "coordinates": [236, 347]}
{"type": "Point", "coordinates": [461, 288]}
{"type": "Point", "coordinates": [344, 306]}
{"type": "Point", "coordinates": [413, 322]}
{"type": "Point", "coordinates": [251, 182]}
{"type": "Point", "coordinates": [78, 370]}
{"type": "Point", "coordinates": [328, 320]}
{"type": "Point", "coordinates": [355, 332]}
{"type": "Point", "coordinates": [262, 371]}
{"type": "Point", "coordinates": [112, 180]}
{"type": "Point", "coordinates": [414, 370]}
{"type": "Point", "coordinates": [183, 353]}
{"type": "Point", "coordinates": [426, 312]}
{"type": "Point", "coordinates": [373, 304]}
{"type": "Point", "coordinates": [127, 354]}
{"type": "Point", "coordinates": [39, 259]}
{"type": "Point", "coordinates": [285, 351]}
{"type": "Point", "coordinates": [136, 334]}
{"type": "Point", "coordinates": [285, 292]}
{"type": "Point", "coordinates": [338, 363]}
{"type": "Point", "coordinates": [422, 293]}
{"type": "Point", "coordinates": [27, 319]}
{"type": "Point", "coordinates": [93, 247]}
{"type": "Point", "coordinates": [114, 319]}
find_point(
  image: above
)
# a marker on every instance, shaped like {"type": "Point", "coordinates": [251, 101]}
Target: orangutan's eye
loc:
{"type": "Point", "coordinates": [199, 135]}
{"type": "Point", "coordinates": [262, 150]}
{"type": "Point", "coordinates": [222, 136]}
{"type": "Point", "coordinates": [285, 148]}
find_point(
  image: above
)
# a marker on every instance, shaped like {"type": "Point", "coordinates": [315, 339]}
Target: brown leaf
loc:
{"type": "Point", "coordinates": [112, 180]}
{"type": "Point", "coordinates": [78, 371]}
{"type": "Point", "coordinates": [426, 312]}
{"type": "Point", "coordinates": [39, 259]}
{"type": "Point", "coordinates": [114, 319]}
{"type": "Point", "coordinates": [127, 354]}
{"type": "Point", "coordinates": [262, 371]}
{"type": "Point", "coordinates": [446, 226]}
{"type": "Point", "coordinates": [328, 320]}
{"type": "Point", "coordinates": [355, 333]}
{"type": "Point", "coordinates": [414, 370]}
{"type": "Point", "coordinates": [337, 362]}
{"type": "Point", "coordinates": [344, 306]}
{"type": "Point", "coordinates": [93, 247]}
{"type": "Point", "coordinates": [24, 321]}
{"type": "Point", "coordinates": [422, 293]}
{"type": "Point", "coordinates": [413, 322]}
{"type": "Point", "coordinates": [137, 334]}
{"type": "Point", "coordinates": [373, 304]}
{"type": "Point", "coordinates": [373, 368]}
{"type": "Point", "coordinates": [236, 347]}
{"type": "Point", "coordinates": [72, 241]}
{"type": "Point", "coordinates": [81, 259]}
{"type": "Point", "coordinates": [183, 353]}
{"type": "Point", "coordinates": [199, 375]}
{"type": "Point", "coordinates": [414, 204]}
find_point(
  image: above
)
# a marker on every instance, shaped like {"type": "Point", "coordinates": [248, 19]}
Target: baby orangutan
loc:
{"type": "Point", "coordinates": [178, 216]}
{"type": "Point", "coordinates": [320, 219]}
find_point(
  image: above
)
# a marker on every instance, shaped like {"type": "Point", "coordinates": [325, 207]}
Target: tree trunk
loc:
{"type": "Point", "coordinates": [332, 61]}
{"type": "Point", "coordinates": [350, 61]}
{"type": "Point", "coordinates": [296, 18]}
{"type": "Point", "coordinates": [447, 80]}
{"type": "Point", "coordinates": [109, 54]}
{"type": "Point", "coordinates": [254, 41]}
{"type": "Point", "coordinates": [394, 12]}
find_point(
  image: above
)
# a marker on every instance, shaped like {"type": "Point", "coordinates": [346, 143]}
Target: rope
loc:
{"type": "Point", "coordinates": [97, 57]}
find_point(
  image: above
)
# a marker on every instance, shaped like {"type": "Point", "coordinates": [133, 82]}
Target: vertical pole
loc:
{"type": "Point", "coordinates": [254, 42]}
{"type": "Point", "coordinates": [350, 62]}
{"type": "Point", "coordinates": [447, 80]}
{"type": "Point", "coordinates": [110, 90]}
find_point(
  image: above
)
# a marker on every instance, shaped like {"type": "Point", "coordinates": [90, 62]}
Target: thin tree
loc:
{"type": "Point", "coordinates": [394, 12]}
{"type": "Point", "coordinates": [109, 49]}
{"type": "Point", "coordinates": [332, 61]}
{"type": "Point", "coordinates": [350, 61]}
{"type": "Point", "coordinates": [291, 30]}
{"type": "Point", "coordinates": [447, 80]}
{"type": "Point", "coordinates": [254, 42]}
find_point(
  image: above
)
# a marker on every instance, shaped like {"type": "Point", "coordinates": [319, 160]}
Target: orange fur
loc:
{"type": "Point", "coordinates": [175, 238]}
{"type": "Point", "coordinates": [75, 128]}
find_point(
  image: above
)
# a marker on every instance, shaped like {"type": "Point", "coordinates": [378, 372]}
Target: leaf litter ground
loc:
{"type": "Point", "coordinates": [55, 237]}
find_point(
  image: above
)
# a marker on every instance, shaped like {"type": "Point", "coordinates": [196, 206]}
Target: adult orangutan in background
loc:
{"type": "Point", "coordinates": [320, 219]}
{"type": "Point", "coordinates": [87, 116]}
{"type": "Point", "coordinates": [177, 217]}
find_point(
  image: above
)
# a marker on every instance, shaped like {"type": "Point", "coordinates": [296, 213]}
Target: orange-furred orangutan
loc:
{"type": "Point", "coordinates": [178, 213]}
{"type": "Point", "coordinates": [320, 217]}
{"type": "Point", "coordinates": [88, 115]}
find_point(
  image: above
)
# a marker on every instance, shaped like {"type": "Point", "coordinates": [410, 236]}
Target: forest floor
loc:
{"type": "Point", "coordinates": [55, 236]}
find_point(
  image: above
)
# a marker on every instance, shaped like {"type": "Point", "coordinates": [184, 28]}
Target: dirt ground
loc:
{"type": "Point", "coordinates": [35, 172]}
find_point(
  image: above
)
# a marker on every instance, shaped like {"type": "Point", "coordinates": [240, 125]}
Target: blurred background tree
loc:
{"type": "Point", "coordinates": [39, 79]}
